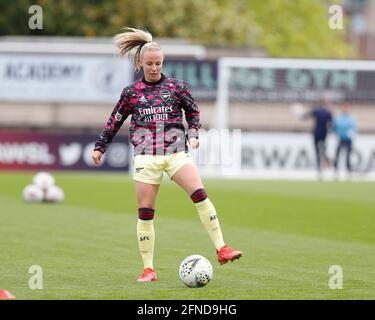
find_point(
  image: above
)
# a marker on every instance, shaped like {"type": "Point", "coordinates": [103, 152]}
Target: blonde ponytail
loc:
{"type": "Point", "coordinates": [129, 40]}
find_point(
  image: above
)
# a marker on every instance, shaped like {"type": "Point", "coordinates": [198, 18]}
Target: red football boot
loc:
{"type": "Point", "coordinates": [148, 275]}
{"type": "Point", "coordinates": [226, 254]}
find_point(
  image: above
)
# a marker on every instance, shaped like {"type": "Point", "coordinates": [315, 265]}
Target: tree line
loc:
{"type": "Point", "coordinates": [284, 28]}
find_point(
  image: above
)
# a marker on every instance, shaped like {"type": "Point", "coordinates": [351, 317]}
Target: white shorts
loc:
{"type": "Point", "coordinates": [150, 168]}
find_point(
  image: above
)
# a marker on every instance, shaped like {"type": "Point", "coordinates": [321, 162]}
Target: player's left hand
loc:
{"type": "Point", "coordinates": [194, 143]}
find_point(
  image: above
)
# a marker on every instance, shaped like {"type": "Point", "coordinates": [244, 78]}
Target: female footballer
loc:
{"type": "Point", "coordinates": [156, 104]}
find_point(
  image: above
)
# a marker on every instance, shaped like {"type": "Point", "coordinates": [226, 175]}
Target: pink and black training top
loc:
{"type": "Point", "coordinates": [156, 110]}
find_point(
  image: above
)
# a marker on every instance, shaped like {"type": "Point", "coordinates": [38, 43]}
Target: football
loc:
{"type": "Point", "coordinates": [195, 271]}
{"type": "Point", "coordinates": [44, 180]}
{"type": "Point", "coordinates": [32, 193]}
{"type": "Point", "coordinates": [54, 194]}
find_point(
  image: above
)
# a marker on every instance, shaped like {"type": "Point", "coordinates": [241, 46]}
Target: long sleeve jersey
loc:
{"type": "Point", "coordinates": [345, 126]}
{"type": "Point", "coordinates": [156, 110]}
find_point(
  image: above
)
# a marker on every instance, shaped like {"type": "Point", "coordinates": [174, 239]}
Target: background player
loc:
{"type": "Point", "coordinates": [345, 127]}
{"type": "Point", "coordinates": [322, 123]}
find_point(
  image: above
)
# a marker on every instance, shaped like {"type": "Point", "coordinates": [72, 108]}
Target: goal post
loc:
{"type": "Point", "coordinates": [287, 80]}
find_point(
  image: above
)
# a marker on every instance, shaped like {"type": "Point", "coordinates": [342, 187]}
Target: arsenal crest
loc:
{"type": "Point", "coordinates": [118, 116]}
{"type": "Point", "coordinates": [165, 95]}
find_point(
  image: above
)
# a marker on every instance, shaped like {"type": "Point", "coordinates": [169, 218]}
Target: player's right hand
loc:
{"type": "Point", "coordinates": [97, 156]}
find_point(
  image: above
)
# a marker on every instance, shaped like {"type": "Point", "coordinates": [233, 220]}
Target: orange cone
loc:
{"type": "Point", "coordinates": [5, 294]}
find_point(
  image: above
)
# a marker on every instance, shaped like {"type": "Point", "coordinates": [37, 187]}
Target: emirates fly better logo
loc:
{"type": "Point", "coordinates": [155, 113]}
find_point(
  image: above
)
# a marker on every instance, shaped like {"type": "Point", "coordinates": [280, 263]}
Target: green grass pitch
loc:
{"type": "Point", "coordinates": [290, 233]}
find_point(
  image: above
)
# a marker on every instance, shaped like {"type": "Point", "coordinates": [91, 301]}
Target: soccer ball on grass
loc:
{"type": "Point", "coordinates": [54, 194]}
{"type": "Point", "coordinates": [32, 193]}
{"type": "Point", "coordinates": [195, 271]}
{"type": "Point", "coordinates": [44, 180]}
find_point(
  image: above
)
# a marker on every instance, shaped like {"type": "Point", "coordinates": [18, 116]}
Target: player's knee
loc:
{"type": "Point", "coordinates": [199, 195]}
{"type": "Point", "coordinates": [146, 213]}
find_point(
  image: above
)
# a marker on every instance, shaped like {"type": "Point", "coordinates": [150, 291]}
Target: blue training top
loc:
{"type": "Point", "coordinates": [345, 126]}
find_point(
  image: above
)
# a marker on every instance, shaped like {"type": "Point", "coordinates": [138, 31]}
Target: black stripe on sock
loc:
{"type": "Point", "coordinates": [199, 195]}
{"type": "Point", "coordinates": [146, 213]}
